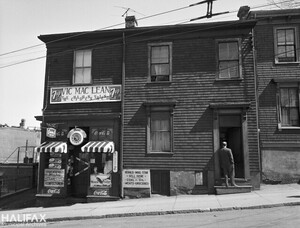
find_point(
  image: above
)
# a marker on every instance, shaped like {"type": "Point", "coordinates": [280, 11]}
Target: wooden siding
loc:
{"type": "Point", "coordinates": [267, 70]}
{"type": "Point", "coordinates": [194, 87]}
{"type": "Point", "coordinates": [106, 70]}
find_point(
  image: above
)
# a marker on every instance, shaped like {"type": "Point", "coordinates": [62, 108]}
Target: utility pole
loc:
{"type": "Point", "coordinates": [209, 13]}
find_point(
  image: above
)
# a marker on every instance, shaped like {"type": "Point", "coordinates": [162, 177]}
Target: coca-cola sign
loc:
{"type": "Point", "coordinates": [53, 191]}
{"type": "Point", "coordinates": [102, 192]}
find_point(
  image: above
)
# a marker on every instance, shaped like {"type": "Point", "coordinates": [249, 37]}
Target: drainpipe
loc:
{"type": "Point", "coordinates": [256, 102]}
{"type": "Point", "coordinates": [122, 115]}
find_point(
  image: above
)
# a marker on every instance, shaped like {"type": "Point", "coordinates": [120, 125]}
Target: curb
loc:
{"type": "Point", "coordinates": [120, 215]}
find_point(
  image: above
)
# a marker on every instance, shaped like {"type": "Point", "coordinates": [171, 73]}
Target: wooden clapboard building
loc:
{"type": "Point", "coordinates": [277, 45]}
{"type": "Point", "coordinates": [81, 116]}
{"type": "Point", "coordinates": [187, 87]}
{"type": "Point", "coordinates": [142, 110]}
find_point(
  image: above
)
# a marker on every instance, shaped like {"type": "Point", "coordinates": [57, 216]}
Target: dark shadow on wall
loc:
{"type": "Point", "coordinates": [139, 118]}
{"type": "Point", "coordinates": [268, 96]}
{"type": "Point", "coordinates": [204, 123]}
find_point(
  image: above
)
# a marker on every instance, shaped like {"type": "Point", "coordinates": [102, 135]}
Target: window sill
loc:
{"type": "Point", "coordinates": [160, 153]}
{"type": "Point", "coordinates": [287, 63]}
{"type": "Point", "coordinates": [82, 84]}
{"type": "Point", "coordinates": [159, 82]}
{"type": "Point", "coordinates": [287, 128]}
{"type": "Point", "coordinates": [228, 79]}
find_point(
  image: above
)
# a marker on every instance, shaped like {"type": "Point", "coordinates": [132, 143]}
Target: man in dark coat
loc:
{"type": "Point", "coordinates": [227, 163]}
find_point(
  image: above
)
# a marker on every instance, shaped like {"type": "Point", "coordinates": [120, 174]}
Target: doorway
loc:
{"type": "Point", "coordinates": [80, 176]}
{"type": "Point", "coordinates": [230, 129]}
{"type": "Point", "coordinates": [79, 179]}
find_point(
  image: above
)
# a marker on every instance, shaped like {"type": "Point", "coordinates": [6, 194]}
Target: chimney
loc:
{"type": "Point", "coordinates": [130, 22]}
{"type": "Point", "coordinates": [22, 124]}
{"type": "Point", "coordinates": [243, 12]}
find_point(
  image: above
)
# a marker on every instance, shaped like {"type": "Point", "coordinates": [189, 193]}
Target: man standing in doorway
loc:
{"type": "Point", "coordinates": [227, 163]}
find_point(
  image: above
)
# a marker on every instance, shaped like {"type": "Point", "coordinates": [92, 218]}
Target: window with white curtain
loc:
{"type": "Point", "coordinates": [288, 105]}
{"type": "Point", "coordinates": [160, 64]}
{"type": "Point", "coordinates": [229, 61]}
{"type": "Point", "coordinates": [160, 129]}
{"type": "Point", "coordinates": [285, 45]}
{"type": "Point", "coordinates": [82, 67]}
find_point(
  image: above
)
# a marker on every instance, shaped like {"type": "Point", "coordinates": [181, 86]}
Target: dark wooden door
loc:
{"type": "Point", "coordinates": [80, 180]}
{"type": "Point", "coordinates": [160, 182]}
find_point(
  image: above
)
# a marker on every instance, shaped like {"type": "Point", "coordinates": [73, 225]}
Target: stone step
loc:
{"type": "Point", "coordinates": [238, 181]}
{"type": "Point", "coordinates": [221, 190]}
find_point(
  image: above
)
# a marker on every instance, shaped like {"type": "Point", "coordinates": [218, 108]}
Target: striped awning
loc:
{"type": "Point", "coordinates": [99, 146]}
{"type": "Point", "coordinates": [58, 147]}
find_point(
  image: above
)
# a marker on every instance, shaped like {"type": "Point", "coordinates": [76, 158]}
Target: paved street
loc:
{"type": "Point", "coordinates": [271, 206]}
{"type": "Point", "coordinates": [278, 217]}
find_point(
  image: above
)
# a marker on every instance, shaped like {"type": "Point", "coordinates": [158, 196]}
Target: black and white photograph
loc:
{"type": "Point", "coordinates": [150, 114]}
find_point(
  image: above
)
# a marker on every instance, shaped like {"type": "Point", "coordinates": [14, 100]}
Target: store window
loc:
{"type": "Point", "coordinates": [288, 105]}
{"type": "Point", "coordinates": [160, 129]}
{"type": "Point", "coordinates": [101, 170]}
{"type": "Point", "coordinates": [229, 60]}
{"type": "Point", "coordinates": [285, 45]}
{"type": "Point", "coordinates": [160, 62]}
{"type": "Point", "coordinates": [101, 162]}
{"type": "Point", "coordinates": [82, 67]}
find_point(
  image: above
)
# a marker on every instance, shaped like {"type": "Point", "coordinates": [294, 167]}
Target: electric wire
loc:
{"type": "Point", "coordinates": [111, 26]}
{"type": "Point", "coordinates": [95, 44]}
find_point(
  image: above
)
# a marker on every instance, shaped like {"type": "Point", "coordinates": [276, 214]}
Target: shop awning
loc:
{"type": "Point", "coordinates": [58, 147]}
{"type": "Point", "coordinates": [99, 146]}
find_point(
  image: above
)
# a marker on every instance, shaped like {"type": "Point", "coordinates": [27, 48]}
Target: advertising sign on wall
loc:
{"type": "Point", "coordinates": [54, 178]}
{"type": "Point", "coordinates": [133, 178]}
{"type": "Point", "coordinates": [82, 94]}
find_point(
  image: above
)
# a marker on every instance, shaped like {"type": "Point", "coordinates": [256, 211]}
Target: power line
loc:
{"type": "Point", "coordinates": [111, 26]}
{"type": "Point", "coordinates": [83, 33]}
{"type": "Point", "coordinates": [37, 58]}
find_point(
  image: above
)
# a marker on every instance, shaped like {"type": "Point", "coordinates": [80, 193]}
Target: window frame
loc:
{"type": "Point", "coordinates": [150, 45]}
{"type": "Point", "coordinates": [240, 70]}
{"type": "Point", "coordinates": [154, 109]}
{"type": "Point", "coordinates": [83, 67]}
{"type": "Point", "coordinates": [281, 85]}
{"type": "Point", "coordinates": [296, 44]}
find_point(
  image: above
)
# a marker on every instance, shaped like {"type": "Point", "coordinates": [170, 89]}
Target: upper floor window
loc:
{"type": "Point", "coordinates": [160, 62]}
{"type": "Point", "coordinates": [82, 67]}
{"type": "Point", "coordinates": [229, 60]}
{"type": "Point", "coordinates": [285, 45]}
{"type": "Point", "coordinates": [288, 105]}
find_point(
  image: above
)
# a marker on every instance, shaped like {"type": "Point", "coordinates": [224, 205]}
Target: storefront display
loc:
{"type": "Point", "coordinates": [85, 164]}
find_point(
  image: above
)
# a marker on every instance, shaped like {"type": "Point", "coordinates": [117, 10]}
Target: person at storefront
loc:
{"type": "Point", "coordinates": [227, 164]}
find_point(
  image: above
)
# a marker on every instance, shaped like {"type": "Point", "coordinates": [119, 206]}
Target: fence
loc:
{"type": "Point", "coordinates": [23, 154]}
{"type": "Point", "coordinates": [10, 185]}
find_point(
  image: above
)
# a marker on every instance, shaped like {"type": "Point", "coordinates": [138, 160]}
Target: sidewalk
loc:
{"type": "Point", "coordinates": [267, 196]}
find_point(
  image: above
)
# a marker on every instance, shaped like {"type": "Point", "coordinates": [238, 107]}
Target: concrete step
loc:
{"type": "Point", "coordinates": [238, 181]}
{"type": "Point", "coordinates": [221, 190]}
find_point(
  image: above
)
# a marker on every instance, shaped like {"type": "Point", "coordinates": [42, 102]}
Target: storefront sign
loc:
{"type": "Point", "coordinates": [100, 180]}
{"type": "Point", "coordinates": [81, 94]}
{"type": "Point", "coordinates": [51, 133]}
{"type": "Point", "coordinates": [101, 192]}
{"type": "Point", "coordinates": [55, 163]}
{"type": "Point", "coordinates": [53, 191]}
{"type": "Point", "coordinates": [54, 178]}
{"type": "Point", "coordinates": [115, 161]}
{"type": "Point", "coordinates": [133, 178]}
